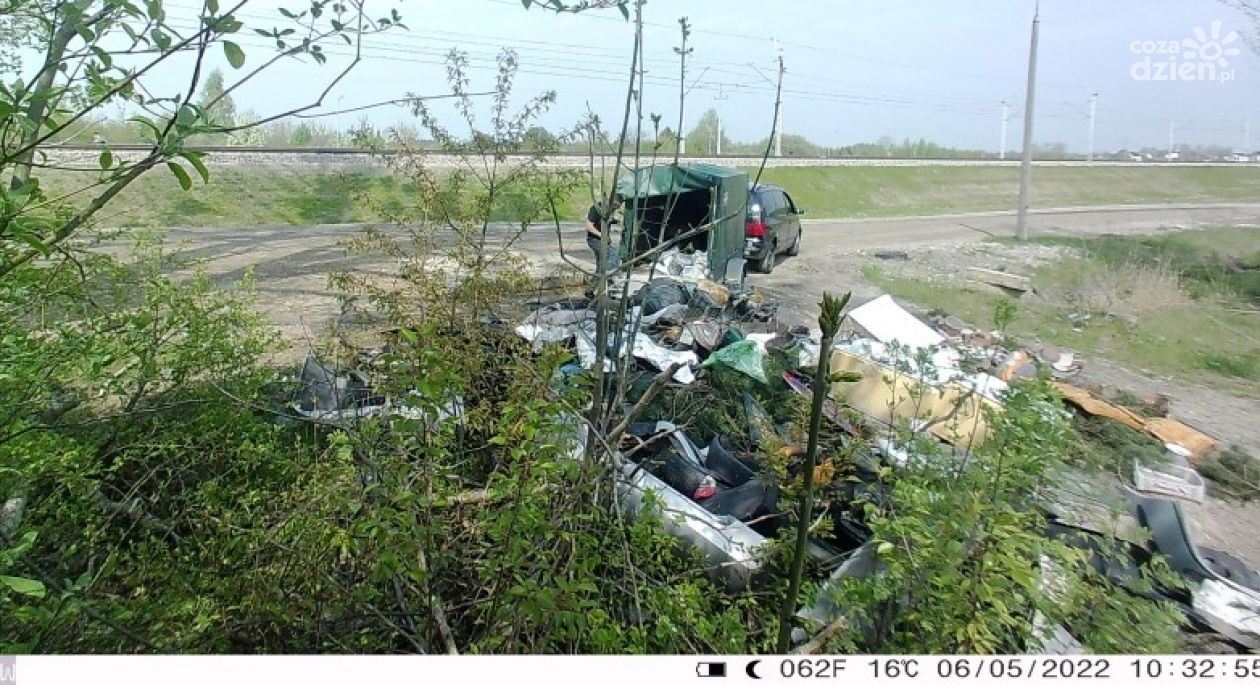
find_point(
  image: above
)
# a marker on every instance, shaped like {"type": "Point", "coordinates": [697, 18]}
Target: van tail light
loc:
{"type": "Point", "coordinates": [755, 229]}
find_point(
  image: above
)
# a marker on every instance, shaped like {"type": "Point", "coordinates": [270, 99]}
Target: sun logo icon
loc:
{"type": "Point", "coordinates": [1210, 48]}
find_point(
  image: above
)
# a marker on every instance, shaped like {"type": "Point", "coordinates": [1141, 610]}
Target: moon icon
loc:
{"type": "Point", "coordinates": [751, 669]}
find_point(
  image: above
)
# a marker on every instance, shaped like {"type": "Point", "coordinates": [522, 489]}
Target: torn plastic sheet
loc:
{"type": "Point", "coordinates": [743, 356]}
{"type": "Point", "coordinates": [661, 358]}
{"type": "Point", "coordinates": [552, 326]}
{"type": "Point", "coordinates": [334, 396]}
{"type": "Point", "coordinates": [686, 267]}
{"type": "Point", "coordinates": [644, 348]}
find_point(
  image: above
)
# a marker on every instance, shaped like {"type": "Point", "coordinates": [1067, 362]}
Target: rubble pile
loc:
{"type": "Point", "coordinates": [713, 452]}
{"type": "Point", "coordinates": [717, 480]}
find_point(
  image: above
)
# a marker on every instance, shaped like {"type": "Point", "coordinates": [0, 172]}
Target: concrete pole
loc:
{"type": "Point", "coordinates": [1025, 168]}
{"type": "Point", "coordinates": [721, 97]}
{"type": "Point", "coordinates": [778, 124]}
{"type": "Point", "coordinates": [1006, 108]}
{"type": "Point", "coordinates": [1172, 135]}
{"type": "Point", "coordinates": [1093, 108]}
{"type": "Point", "coordinates": [682, 52]}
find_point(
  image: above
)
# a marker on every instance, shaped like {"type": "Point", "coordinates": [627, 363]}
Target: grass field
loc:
{"type": "Point", "coordinates": [253, 196]}
{"type": "Point", "coordinates": [1180, 305]}
{"type": "Point", "coordinates": [907, 191]}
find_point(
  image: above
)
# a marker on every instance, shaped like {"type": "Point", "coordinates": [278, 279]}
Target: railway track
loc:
{"type": "Point", "coordinates": [87, 154]}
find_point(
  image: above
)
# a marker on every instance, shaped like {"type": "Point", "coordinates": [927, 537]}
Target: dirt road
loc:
{"type": "Point", "coordinates": [291, 263]}
{"type": "Point", "coordinates": [803, 279]}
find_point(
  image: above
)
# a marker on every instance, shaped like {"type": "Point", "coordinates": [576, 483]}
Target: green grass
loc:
{"type": "Point", "coordinates": [1209, 260]}
{"type": "Point", "coordinates": [828, 192]}
{"type": "Point", "coordinates": [267, 196]}
{"type": "Point", "coordinates": [237, 196]}
{"type": "Point", "coordinates": [1210, 338]}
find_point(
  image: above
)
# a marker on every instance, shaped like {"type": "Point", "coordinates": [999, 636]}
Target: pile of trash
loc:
{"type": "Point", "coordinates": [668, 321]}
{"type": "Point", "coordinates": [709, 454]}
{"type": "Point", "coordinates": [715, 487]}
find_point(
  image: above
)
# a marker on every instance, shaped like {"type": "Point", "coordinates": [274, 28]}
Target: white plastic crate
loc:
{"type": "Point", "coordinates": [1169, 480]}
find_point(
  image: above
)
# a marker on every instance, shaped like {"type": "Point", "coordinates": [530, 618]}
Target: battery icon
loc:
{"type": "Point", "coordinates": [711, 669]}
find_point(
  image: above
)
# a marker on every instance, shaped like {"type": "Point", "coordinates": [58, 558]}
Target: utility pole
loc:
{"type": "Point", "coordinates": [1006, 109]}
{"type": "Point", "coordinates": [1093, 107]}
{"type": "Point", "coordinates": [778, 124]}
{"type": "Point", "coordinates": [682, 53]}
{"type": "Point", "coordinates": [1025, 167]}
{"type": "Point", "coordinates": [721, 97]}
{"type": "Point", "coordinates": [1172, 136]}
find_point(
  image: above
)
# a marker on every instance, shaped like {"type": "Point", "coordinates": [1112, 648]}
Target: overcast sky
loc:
{"type": "Point", "coordinates": [856, 69]}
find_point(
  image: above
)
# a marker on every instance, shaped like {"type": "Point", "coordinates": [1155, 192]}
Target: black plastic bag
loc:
{"type": "Point", "coordinates": [658, 294]}
{"type": "Point", "coordinates": [729, 468]}
{"type": "Point", "coordinates": [746, 502]}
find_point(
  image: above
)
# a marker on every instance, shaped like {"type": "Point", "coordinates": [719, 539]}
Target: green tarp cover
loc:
{"type": "Point", "coordinates": [664, 179]}
{"type": "Point", "coordinates": [728, 195]}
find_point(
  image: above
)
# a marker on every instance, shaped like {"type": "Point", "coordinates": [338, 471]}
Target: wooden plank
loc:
{"type": "Point", "coordinates": [1171, 430]}
{"type": "Point", "coordinates": [1096, 407]}
{"type": "Point", "coordinates": [1000, 278]}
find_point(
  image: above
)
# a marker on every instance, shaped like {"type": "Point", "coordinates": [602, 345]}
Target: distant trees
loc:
{"type": "Point", "coordinates": [667, 139]}
{"type": "Point", "coordinates": [217, 103]}
{"type": "Point", "coordinates": [1050, 150]}
{"type": "Point", "coordinates": [539, 139]}
{"type": "Point", "coordinates": [703, 138]}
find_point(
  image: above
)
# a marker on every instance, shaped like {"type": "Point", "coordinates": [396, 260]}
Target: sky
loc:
{"type": "Point", "coordinates": [856, 70]}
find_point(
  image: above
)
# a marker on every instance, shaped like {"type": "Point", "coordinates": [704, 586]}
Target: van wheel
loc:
{"type": "Point", "coordinates": [796, 245]}
{"type": "Point", "coordinates": [766, 264]}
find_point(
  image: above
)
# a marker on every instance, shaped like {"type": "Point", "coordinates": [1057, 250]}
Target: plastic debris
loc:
{"type": "Point", "coordinates": [332, 395]}
{"type": "Point", "coordinates": [706, 489]}
{"type": "Point", "coordinates": [1170, 480]}
{"type": "Point", "coordinates": [672, 315]}
{"type": "Point", "coordinates": [750, 500]}
{"type": "Point", "coordinates": [683, 266]}
{"type": "Point", "coordinates": [742, 356]}
{"type": "Point", "coordinates": [706, 332]}
{"type": "Point", "coordinates": [658, 294]}
{"type": "Point", "coordinates": [662, 358]}
{"type": "Point", "coordinates": [726, 465]}
{"type": "Point", "coordinates": [730, 337]}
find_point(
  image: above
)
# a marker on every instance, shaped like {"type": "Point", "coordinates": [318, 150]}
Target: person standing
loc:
{"type": "Point", "coordinates": [597, 217]}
